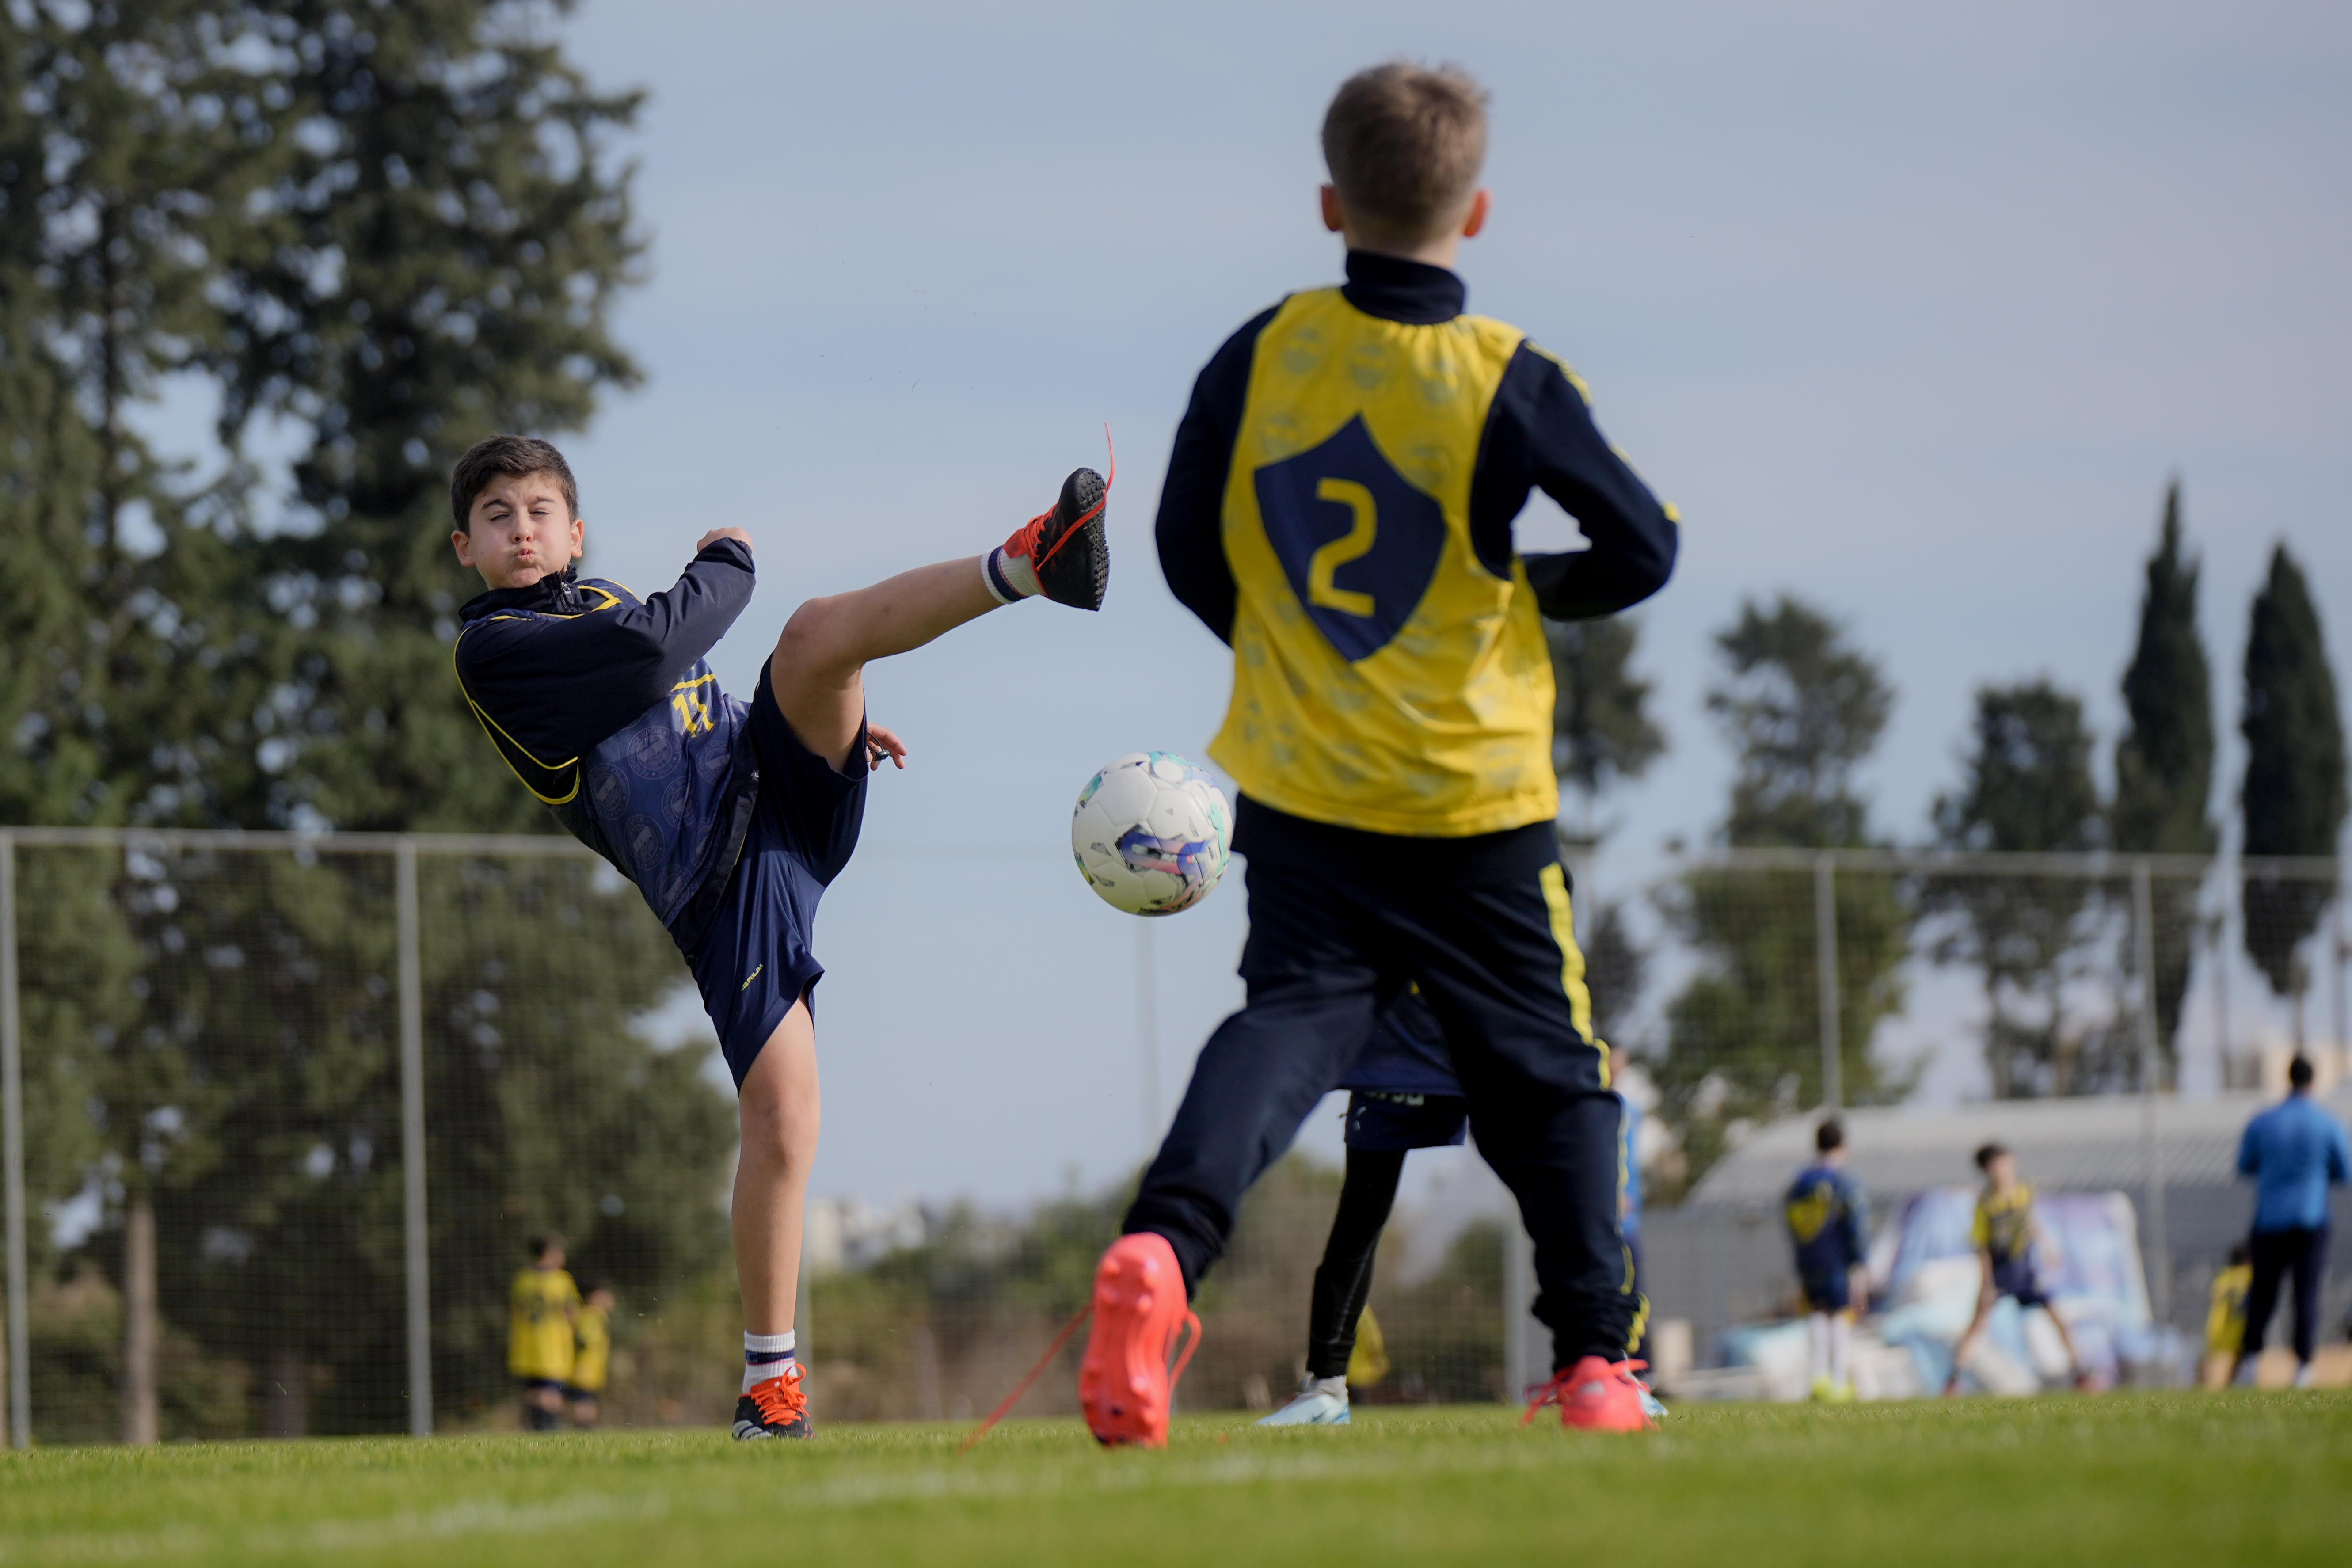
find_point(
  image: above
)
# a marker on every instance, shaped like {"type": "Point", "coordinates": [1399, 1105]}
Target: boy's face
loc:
{"type": "Point", "coordinates": [552, 1259]}
{"type": "Point", "coordinates": [600, 1300]}
{"type": "Point", "coordinates": [2001, 1170]}
{"type": "Point", "coordinates": [520, 530]}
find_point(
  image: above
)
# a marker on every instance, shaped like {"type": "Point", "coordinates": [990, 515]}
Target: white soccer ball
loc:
{"type": "Point", "coordinates": [1151, 834]}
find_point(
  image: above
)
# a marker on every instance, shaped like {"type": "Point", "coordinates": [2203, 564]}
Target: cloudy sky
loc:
{"type": "Point", "coordinates": [1914, 310]}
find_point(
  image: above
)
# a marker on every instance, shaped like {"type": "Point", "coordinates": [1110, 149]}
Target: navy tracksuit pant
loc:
{"type": "Point", "coordinates": [1340, 923]}
{"type": "Point", "coordinates": [2277, 1254]}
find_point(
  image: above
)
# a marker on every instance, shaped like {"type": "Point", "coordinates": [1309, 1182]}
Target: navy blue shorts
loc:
{"type": "Point", "coordinates": [755, 960]}
{"type": "Point", "coordinates": [1400, 1121]}
{"type": "Point", "coordinates": [1831, 1292]}
{"type": "Point", "coordinates": [2016, 1278]}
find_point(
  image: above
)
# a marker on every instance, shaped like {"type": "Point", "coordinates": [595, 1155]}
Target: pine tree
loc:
{"type": "Point", "coordinates": [1602, 733]}
{"type": "Point", "coordinates": [1803, 709]}
{"type": "Point", "coordinates": [2294, 799]}
{"type": "Point", "coordinates": [2029, 790]}
{"type": "Point", "coordinates": [2164, 763]}
{"type": "Point", "coordinates": [437, 263]}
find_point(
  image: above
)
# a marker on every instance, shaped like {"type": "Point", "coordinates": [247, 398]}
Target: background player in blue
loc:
{"type": "Point", "coordinates": [2294, 1152]}
{"type": "Point", "coordinates": [1403, 1095]}
{"type": "Point", "coordinates": [1828, 1227]}
{"type": "Point", "coordinates": [729, 817]}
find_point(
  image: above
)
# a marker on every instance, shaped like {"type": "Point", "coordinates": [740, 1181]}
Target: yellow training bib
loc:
{"type": "Point", "coordinates": [1384, 679]}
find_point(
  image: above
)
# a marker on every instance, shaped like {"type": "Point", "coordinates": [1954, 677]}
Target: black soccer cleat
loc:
{"type": "Point", "coordinates": [776, 1408]}
{"type": "Point", "coordinates": [1067, 547]}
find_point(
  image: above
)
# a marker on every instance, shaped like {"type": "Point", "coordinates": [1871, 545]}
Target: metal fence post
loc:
{"type": "Point", "coordinates": [411, 1139]}
{"type": "Point", "coordinates": [1519, 1294]}
{"type": "Point", "coordinates": [1826, 967]}
{"type": "Point", "coordinates": [1146, 991]}
{"type": "Point", "coordinates": [2151, 1075]}
{"type": "Point", "coordinates": [11, 1134]}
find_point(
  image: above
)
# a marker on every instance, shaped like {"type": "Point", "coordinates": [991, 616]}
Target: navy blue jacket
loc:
{"type": "Point", "coordinates": [601, 704]}
{"type": "Point", "coordinates": [1828, 1223]}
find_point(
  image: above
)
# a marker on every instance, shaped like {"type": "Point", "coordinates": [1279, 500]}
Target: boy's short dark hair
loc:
{"type": "Point", "coordinates": [499, 457]}
{"type": "Point", "coordinates": [1829, 1135]}
{"type": "Point", "coordinates": [1404, 144]}
{"type": "Point", "coordinates": [1988, 1154]}
{"type": "Point", "coordinates": [543, 1243]}
{"type": "Point", "coordinates": [2298, 1073]}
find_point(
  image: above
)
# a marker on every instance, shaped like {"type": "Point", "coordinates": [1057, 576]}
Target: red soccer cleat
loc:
{"type": "Point", "coordinates": [1596, 1394]}
{"type": "Point", "coordinates": [1067, 546]}
{"type": "Point", "coordinates": [1125, 1383]}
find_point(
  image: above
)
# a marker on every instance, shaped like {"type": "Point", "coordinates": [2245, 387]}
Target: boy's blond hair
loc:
{"type": "Point", "coordinates": [1404, 144]}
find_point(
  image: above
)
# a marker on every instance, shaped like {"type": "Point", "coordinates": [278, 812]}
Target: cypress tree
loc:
{"type": "Point", "coordinates": [2164, 763]}
{"type": "Point", "coordinates": [2294, 799]}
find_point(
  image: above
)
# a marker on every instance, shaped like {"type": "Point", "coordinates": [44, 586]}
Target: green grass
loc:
{"type": "Point", "coordinates": [2136, 1478]}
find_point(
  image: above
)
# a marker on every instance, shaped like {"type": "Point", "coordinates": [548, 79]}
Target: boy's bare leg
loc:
{"type": "Point", "coordinates": [778, 1109]}
{"type": "Point", "coordinates": [817, 672]}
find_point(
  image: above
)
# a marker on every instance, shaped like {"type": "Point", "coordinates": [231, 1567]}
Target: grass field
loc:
{"type": "Point", "coordinates": [2133, 1478]}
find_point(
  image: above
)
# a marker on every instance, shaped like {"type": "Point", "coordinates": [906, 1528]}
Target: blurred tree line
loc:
{"type": "Point", "coordinates": [1804, 711]}
{"type": "Point", "coordinates": [349, 238]}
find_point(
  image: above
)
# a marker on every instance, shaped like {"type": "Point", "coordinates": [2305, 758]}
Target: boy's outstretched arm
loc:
{"type": "Point", "coordinates": [1190, 528]}
{"type": "Point", "coordinates": [1540, 434]}
{"type": "Point", "coordinates": [561, 687]}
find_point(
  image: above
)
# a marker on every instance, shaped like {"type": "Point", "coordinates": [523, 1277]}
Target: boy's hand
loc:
{"type": "Point", "coordinates": [881, 743]}
{"type": "Point", "coordinates": [716, 534]}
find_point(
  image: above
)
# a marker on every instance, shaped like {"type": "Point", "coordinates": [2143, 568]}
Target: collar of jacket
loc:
{"type": "Point", "coordinates": [1396, 289]}
{"type": "Point", "coordinates": [556, 596]}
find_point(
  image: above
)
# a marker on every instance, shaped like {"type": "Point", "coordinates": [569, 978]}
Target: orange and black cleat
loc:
{"type": "Point", "coordinates": [1125, 1384]}
{"type": "Point", "coordinates": [1596, 1394]}
{"type": "Point", "coordinates": [1067, 546]}
{"type": "Point", "coordinates": [776, 1408]}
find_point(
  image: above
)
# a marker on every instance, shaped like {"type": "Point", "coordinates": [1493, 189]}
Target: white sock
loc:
{"type": "Point", "coordinates": [1817, 1346]}
{"type": "Point", "coordinates": [767, 1356]}
{"type": "Point", "coordinates": [1009, 577]}
{"type": "Point", "coordinates": [1841, 1348]}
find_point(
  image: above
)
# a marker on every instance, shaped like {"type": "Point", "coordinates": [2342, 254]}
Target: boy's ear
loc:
{"type": "Point", "coordinates": [1481, 205]}
{"type": "Point", "coordinates": [1334, 217]}
{"type": "Point", "coordinates": [463, 543]}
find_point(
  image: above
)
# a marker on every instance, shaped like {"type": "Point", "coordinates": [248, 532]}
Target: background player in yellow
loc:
{"type": "Point", "coordinates": [591, 1354]}
{"type": "Point", "coordinates": [1339, 510]}
{"type": "Point", "coordinates": [2225, 1319]}
{"type": "Point", "coordinates": [541, 1310]}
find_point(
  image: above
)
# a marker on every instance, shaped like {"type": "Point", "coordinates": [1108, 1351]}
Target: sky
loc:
{"type": "Point", "coordinates": [1913, 310]}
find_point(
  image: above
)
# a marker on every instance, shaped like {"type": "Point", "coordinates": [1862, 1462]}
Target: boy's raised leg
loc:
{"type": "Point", "coordinates": [818, 670]}
{"type": "Point", "coordinates": [817, 673]}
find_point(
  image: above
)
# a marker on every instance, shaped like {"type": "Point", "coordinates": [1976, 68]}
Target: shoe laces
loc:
{"type": "Point", "coordinates": [779, 1400]}
{"type": "Point", "coordinates": [1026, 539]}
{"type": "Point", "coordinates": [1556, 1391]}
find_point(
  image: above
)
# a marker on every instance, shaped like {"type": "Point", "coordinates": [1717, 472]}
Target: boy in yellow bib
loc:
{"type": "Point", "coordinates": [1339, 510]}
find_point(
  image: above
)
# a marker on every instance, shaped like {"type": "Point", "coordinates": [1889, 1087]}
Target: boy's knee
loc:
{"type": "Point", "coordinates": [814, 637]}
{"type": "Point", "coordinates": [778, 1132]}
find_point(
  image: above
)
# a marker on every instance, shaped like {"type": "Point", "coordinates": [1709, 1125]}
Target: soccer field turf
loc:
{"type": "Point", "coordinates": [2123, 1479]}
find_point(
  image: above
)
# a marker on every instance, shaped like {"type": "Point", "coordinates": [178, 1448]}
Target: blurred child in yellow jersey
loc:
{"type": "Point", "coordinates": [591, 1354]}
{"type": "Point", "coordinates": [541, 1309]}
{"type": "Point", "coordinates": [2225, 1319]}
{"type": "Point", "coordinates": [2012, 1249]}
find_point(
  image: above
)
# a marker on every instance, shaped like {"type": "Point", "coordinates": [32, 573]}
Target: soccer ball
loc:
{"type": "Point", "coordinates": [1151, 834]}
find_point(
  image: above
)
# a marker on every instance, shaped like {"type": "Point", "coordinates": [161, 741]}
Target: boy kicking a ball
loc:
{"type": "Point", "coordinates": [731, 817]}
{"type": "Point", "coordinates": [1338, 511]}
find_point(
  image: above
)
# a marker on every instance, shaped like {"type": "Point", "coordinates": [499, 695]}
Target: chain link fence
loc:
{"type": "Point", "coordinates": [280, 1112]}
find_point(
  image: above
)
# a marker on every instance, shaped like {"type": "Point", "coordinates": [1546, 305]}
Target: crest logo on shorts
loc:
{"type": "Point", "coordinates": [1358, 541]}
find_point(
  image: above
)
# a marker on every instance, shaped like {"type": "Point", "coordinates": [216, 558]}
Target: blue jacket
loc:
{"type": "Point", "coordinates": [1829, 1221]}
{"type": "Point", "coordinates": [602, 706]}
{"type": "Point", "coordinates": [2294, 1152]}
